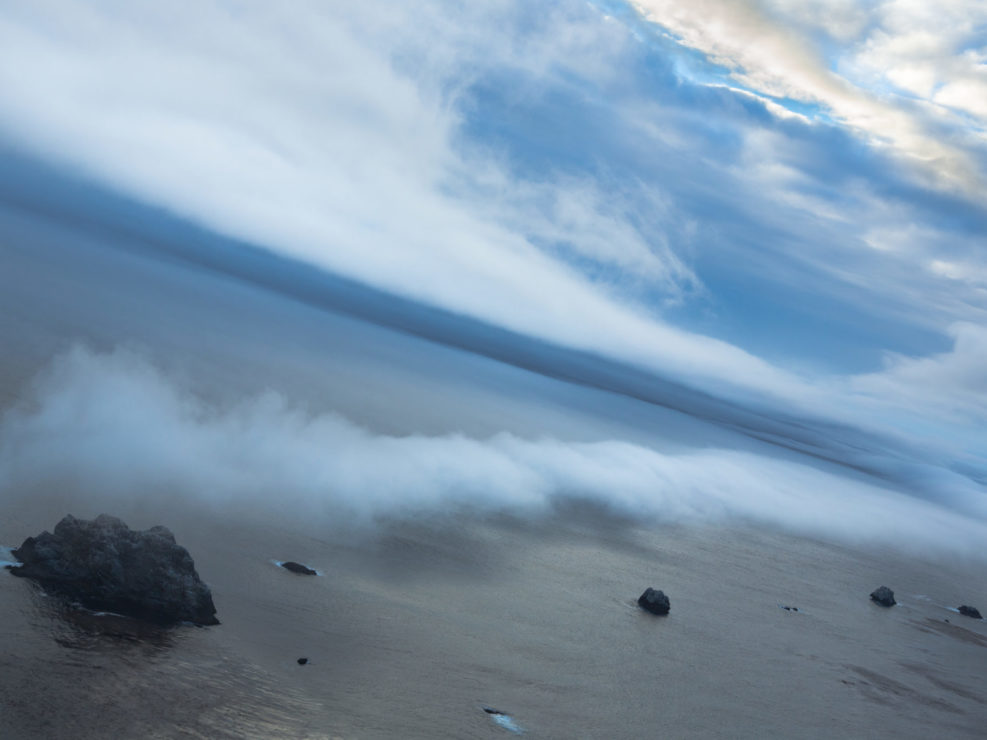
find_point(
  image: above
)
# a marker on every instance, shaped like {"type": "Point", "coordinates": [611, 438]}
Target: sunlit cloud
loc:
{"type": "Point", "coordinates": [922, 49]}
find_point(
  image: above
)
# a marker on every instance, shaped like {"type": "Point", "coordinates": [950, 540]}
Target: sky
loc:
{"type": "Point", "coordinates": [777, 205]}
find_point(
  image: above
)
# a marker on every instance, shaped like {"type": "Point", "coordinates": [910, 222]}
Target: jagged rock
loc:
{"type": "Point", "coordinates": [654, 601]}
{"type": "Point", "coordinates": [298, 568]}
{"type": "Point", "coordinates": [970, 611]}
{"type": "Point", "coordinates": [883, 596]}
{"type": "Point", "coordinates": [106, 566]}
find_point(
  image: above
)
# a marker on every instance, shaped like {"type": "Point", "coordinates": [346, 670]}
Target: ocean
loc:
{"type": "Point", "coordinates": [414, 631]}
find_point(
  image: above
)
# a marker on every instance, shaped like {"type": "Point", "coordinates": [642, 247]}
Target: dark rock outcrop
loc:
{"type": "Point", "coordinates": [883, 596]}
{"type": "Point", "coordinates": [970, 611]}
{"type": "Point", "coordinates": [302, 661]}
{"type": "Point", "coordinates": [106, 566]}
{"type": "Point", "coordinates": [654, 601]}
{"type": "Point", "coordinates": [298, 568]}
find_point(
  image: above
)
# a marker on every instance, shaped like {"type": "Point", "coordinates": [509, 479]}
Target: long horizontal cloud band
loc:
{"type": "Point", "coordinates": [118, 424]}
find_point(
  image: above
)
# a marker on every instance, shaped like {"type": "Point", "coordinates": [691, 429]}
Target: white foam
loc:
{"type": "Point", "coordinates": [507, 722]}
{"type": "Point", "coordinates": [7, 557]}
{"type": "Point", "coordinates": [504, 720]}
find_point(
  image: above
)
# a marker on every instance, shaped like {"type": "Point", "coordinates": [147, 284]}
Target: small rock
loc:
{"type": "Point", "coordinates": [790, 608]}
{"type": "Point", "coordinates": [302, 661]}
{"type": "Point", "coordinates": [970, 611]}
{"type": "Point", "coordinates": [654, 601]}
{"type": "Point", "coordinates": [302, 570]}
{"type": "Point", "coordinates": [883, 596]}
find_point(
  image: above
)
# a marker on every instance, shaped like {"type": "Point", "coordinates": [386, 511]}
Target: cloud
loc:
{"type": "Point", "coordinates": [299, 131]}
{"type": "Point", "coordinates": [113, 424]}
{"type": "Point", "coordinates": [542, 171]}
{"type": "Point", "coordinates": [950, 384]}
{"type": "Point", "coordinates": [933, 51]}
{"type": "Point", "coordinates": [776, 48]}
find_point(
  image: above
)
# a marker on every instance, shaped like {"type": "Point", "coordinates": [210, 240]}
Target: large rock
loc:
{"type": "Point", "coordinates": [654, 601]}
{"type": "Point", "coordinates": [970, 611]}
{"type": "Point", "coordinates": [106, 566]}
{"type": "Point", "coordinates": [883, 596]}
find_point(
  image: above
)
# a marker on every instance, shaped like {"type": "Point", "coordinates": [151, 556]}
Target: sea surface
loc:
{"type": "Point", "coordinates": [413, 632]}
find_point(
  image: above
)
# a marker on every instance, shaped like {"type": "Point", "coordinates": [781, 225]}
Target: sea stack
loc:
{"type": "Point", "coordinates": [654, 601]}
{"type": "Point", "coordinates": [106, 566]}
{"type": "Point", "coordinates": [883, 596]}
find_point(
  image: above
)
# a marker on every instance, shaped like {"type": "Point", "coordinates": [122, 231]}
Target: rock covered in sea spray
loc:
{"type": "Point", "coordinates": [654, 601]}
{"type": "Point", "coordinates": [883, 596]}
{"type": "Point", "coordinates": [106, 566]}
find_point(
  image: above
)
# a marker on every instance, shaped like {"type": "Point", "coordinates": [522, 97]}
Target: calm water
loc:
{"type": "Point", "coordinates": [413, 632]}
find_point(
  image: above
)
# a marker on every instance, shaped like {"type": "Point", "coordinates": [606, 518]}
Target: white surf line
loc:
{"type": "Point", "coordinates": [95, 613]}
{"type": "Point", "coordinates": [928, 600]}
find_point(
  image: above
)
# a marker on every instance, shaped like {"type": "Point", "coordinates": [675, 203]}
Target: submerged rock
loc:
{"type": "Point", "coordinates": [654, 601]}
{"type": "Point", "coordinates": [883, 596]}
{"type": "Point", "coordinates": [302, 570]}
{"type": "Point", "coordinates": [106, 566]}
{"type": "Point", "coordinates": [970, 611]}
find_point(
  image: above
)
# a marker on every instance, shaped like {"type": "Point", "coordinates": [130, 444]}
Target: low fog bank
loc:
{"type": "Point", "coordinates": [114, 423]}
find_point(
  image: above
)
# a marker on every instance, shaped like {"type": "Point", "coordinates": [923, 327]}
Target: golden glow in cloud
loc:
{"type": "Point", "coordinates": [903, 68]}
